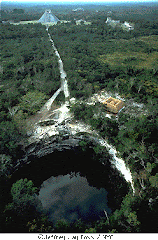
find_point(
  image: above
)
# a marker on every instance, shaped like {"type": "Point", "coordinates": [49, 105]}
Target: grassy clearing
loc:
{"type": "Point", "coordinates": [25, 22]}
{"type": "Point", "coordinates": [152, 41]}
{"type": "Point", "coordinates": [139, 58]}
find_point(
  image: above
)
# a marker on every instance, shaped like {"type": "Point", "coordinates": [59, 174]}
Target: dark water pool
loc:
{"type": "Point", "coordinates": [70, 197]}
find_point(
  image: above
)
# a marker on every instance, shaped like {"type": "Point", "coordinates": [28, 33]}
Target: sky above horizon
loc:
{"type": "Point", "coordinates": [77, 1]}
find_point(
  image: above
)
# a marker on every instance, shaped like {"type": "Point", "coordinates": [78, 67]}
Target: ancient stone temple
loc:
{"type": "Point", "coordinates": [113, 105]}
{"type": "Point", "coordinates": [48, 17]}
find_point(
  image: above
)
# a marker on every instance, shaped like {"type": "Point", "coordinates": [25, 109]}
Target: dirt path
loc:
{"type": "Point", "coordinates": [63, 75]}
{"type": "Point", "coordinates": [45, 111]}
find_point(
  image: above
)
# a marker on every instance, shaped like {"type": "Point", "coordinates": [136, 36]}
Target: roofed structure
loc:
{"type": "Point", "coordinates": [77, 9]}
{"type": "Point", "coordinates": [128, 26]}
{"type": "Point", "coordinates": [113, 23]}
{"type": "Point", "coordinates": [110, 21]}
{"type": "Point", "coordinates": [47, 17]}
{"type": "Point", "coordinates": [113, 105]}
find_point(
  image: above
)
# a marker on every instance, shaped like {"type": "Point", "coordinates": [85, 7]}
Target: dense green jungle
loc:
{"type": "Point", "coordinates": [95, 57]}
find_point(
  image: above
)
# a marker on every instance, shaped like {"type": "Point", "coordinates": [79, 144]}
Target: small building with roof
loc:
{"type": "Point", "coordinates": [113, 105]}
{"type": "Point", "coordinates": [128, 26]}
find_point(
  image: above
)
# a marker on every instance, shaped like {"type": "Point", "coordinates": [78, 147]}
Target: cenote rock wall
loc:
{"type": "Point", "coordinates": [74, 184]}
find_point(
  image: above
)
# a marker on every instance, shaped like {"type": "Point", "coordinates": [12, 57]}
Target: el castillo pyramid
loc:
{"type": "Point", "coordinates": [47, 17]}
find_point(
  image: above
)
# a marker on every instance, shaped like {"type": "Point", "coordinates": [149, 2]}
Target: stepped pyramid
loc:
{"type": "Point", "coordinates": [47, 17]}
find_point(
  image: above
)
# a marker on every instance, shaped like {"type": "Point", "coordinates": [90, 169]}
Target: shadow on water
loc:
{"type": "Point", "coordinates": [73, 185]}
{"type": "Point", "coordinates": [70, 197]}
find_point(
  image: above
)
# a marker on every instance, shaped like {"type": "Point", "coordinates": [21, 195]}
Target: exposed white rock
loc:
{"type": "Point", "coordinates": [119, 163]}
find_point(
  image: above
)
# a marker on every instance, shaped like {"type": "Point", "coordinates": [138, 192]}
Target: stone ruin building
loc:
{"type": "Point", "coordinates": [113, 105]}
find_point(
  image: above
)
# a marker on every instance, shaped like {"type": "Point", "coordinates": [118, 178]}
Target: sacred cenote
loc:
{"type": "Point", "coordinates": [74, 184]}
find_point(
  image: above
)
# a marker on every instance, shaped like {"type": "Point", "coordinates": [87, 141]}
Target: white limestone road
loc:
{"type": "Point", "coordinates": [64, 84]}
{"type": "Point", "coordinates": [48, 104]}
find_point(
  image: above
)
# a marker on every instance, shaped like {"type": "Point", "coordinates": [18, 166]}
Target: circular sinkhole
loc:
{"type": "Point", "coordinates": [75, 184]}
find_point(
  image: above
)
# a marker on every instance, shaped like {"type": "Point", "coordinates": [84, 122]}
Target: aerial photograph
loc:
{"type": "Point", "coordinates": [79, 116]}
